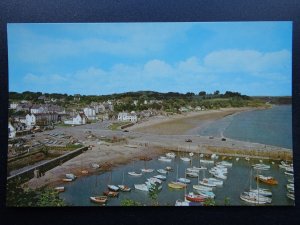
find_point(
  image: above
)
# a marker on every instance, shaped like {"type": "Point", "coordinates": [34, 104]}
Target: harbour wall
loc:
{"type": "Point", "coordinates": [39, 170]}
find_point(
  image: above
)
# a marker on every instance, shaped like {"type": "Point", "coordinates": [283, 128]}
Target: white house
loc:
{"type": "Point", "coordinates": [11, 131]}
{"type": "Point", "coordinates": [37, 109]}
{"type": "Point", "coordinates": [90, 113]}
{"type": "Point", "coordinates": [80, 119]}
{"type": "Point", "coordinates": [30, 120]}
{"type": "Point", "coordinates": [123, 116]}
{"type": "Point", "coordinates": [13, 105]}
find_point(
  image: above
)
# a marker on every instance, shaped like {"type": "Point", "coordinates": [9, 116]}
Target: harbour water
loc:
{"type": "Point", "coordinates": [271, 126]}
{"type": "Point", "coordinates": [78, 192]}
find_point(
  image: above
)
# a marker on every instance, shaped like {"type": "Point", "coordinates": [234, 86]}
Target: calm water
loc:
{"type": "Point", "coordinates": [78, 192]}
{"type": "Point", "coordinates": [272, 126]}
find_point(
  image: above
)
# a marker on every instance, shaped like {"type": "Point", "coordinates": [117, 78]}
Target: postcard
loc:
{"type": "Point", "coordinates": [150, 114]}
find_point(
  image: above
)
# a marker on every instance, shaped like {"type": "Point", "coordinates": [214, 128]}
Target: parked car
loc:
{"type": "Point", "coordinates": [223, 139]}
{"type": "Point", "coordinates": [188, 140]}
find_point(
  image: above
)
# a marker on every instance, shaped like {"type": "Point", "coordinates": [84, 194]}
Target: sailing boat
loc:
{"type": "Point", "coordinates": [145, 170]}
{"type": "Point", "coordinates": [112, 187]}
{"type": "Point", "coordinates": [185, 159]}
{"type": "Point", "coordinates": [133, 173]}
{"type": "Point", "coordinates": [254, 198]}
{"type": "Point", "coordinates": [98, 199]}
{"type": "Point", "coordinates": [176, 184]}
{"type": "Point", "coordinates": [123, 187]}
{"type": "Point", "coordinates": [110, 192]}
{"type": "Point", "coordinates": [202, 187]}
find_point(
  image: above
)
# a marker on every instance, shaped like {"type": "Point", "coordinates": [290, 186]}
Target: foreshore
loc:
{"type": "Point", "coordinates": [141, 142]}
{"type": "Point", "coordinates": [182, 123]}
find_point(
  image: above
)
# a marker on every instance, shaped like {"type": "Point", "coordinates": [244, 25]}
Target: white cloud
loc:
{"type": "Point", "coordinates": [248, 61]}
{"type": "Point", "coordinates": [189, 74]}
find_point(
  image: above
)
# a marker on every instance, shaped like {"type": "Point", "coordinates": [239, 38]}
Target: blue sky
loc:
{"type": "Point", "coordinates": [254, 58]}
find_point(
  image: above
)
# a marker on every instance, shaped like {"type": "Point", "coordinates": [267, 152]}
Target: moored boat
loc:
{"type": "Point", "coordinates": [184, 180]}
{"type": "Point", "coordinates": [170, 155]}
{"type": "Point", "coordinates": [185, 159]}
{"type": "Point", "coordinates": [164, 159]}
{"type": "Point", "coordinates": [192, 175]}
{"type": "Point", "coordinates": [291, 196]}
{"type": "Point", "coordinates": [99, 199]}
{"type": "Point", "coordinates": [267, 180]}
{"type": "Point", "coordinates": [194, 198]}
{"type": "Point", "coordinates": [176, 185]}
{"type": "Point", "coordinates": [206, 194]}
{"type": "Point", "coordinates": [113, 187]}
{"type": "Point", "coordinates": [253, 199]}
{"type": "Point", "coordinates": [67, 179]}
{"type": "Point", "coordinates": [162, 171]}
{"type": "Point", "coordinates": [124, 188]}
{"type": "Point", "coordinates": [202, 188]}
{"type": "Point", "coordinates": [70, 176]}
{"type": "Point", "coordinates": [207, 161]}
{"type": "Point", "coordinates": [141, 187]}
{"type": "Point", "coordinates": [135, 174]}
{"type": "Point", "coordinates": [59, 189]}
{"type": "Point", "coordinates": [161, 177]}
{"type": "Point", "coordinates": [147, 170]}
{"type": "Point", "coordinates": [260, 191]}
{"type": "Point", "coordinates": [111, 193]}
{"type": "Point", "coordinates": [224, 163]}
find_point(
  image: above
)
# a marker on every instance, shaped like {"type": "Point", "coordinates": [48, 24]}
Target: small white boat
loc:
{"type": "Point", "coordinates": [70, 176]}
{"type": "Point", "coordinates": [258, 197]}
{"type": "Point", "coordinates": [141, 187]}
{"type": "Point", "coordinates": [124, 188]}
{"type": "Point", "coordinates": [213, 156]}
{"type": "Point", "coordinates": [182, 203]}
{"type": "Point", "coordinates": [291, 187]}
{"type": "Point", "coordinates": [113, 187]}
{"type": "Point", "coordinates": [224, 163]}
{"type": "Point", "coordinates": [247, 158]}
{"type": "Point", "coordinates": [164, 159]}
{"type": "Point", "coordinates": [171, 155]}
{"type": "Point", "coordinates": [261, 166]}
{"type": "Point", "coordinates": [252, 199]}
{"type": "Point", "coordinates": [215, 181]}
{"type": "Point", "coordinates": [192, 175]}
{"type": "Point", "coordinates": [147, 170]}
{"type": "Point", "coordinates": [291, 180]}
{"type": "Point", "coordinates": [202, 188]}
{"type": "Point", "coordinates": [206, 183]}
{"type": "Point", "coordinates": [154, 180]}
{"type": "Point", "coordinates": [191, 154]}
{"type": "Point", "coordinates": [206, 194]}
{"type": "Point", "coordinates": [169, 168]}
{"type": "Point", "coordinates": [220, 176]}
{"type": "Point", "coordinates": [95, 165]}
{"type": "Point", "coordinates": [260, 191]}
{"type": "Point", "coordinates": [289, 174]}
{"type": "Point", "coordinates": [161, 177]}
{"type": "Point", "coordinates": [237, 159]}
{"type": "Point", "coordinates": [185, 159]}
{"type": "Point", "coordinates": [207, 161]}
{"type": "Point", "coordinates": [162, 171]}
{"type": "Point", "coordinates": [219, 170]}
{"type": "Point", "coordinates": [201, 155]}
{"type": "Point", "coordinates": [135, 174]}
{"type": "Point", "coordinates": [59, 189]}
{"type": "Point", "coordinates": [184, 180]}
{"type": "Point", "coordinates": [291, 196]}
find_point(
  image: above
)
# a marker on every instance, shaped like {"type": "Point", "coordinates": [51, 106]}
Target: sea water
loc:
{"type": "Point", "coordinates": [269, 126]}
{"type": "Point", "coordinates": [239, 179]}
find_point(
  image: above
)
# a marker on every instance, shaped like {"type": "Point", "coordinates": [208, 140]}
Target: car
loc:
{"type": "Point", "coordinates": [223, 139]}
{"type": "Point", "coordinates": [188, 140]}
{"type": "Point", "coordinates": [125, 130]}
{"type": "Point", "coordinates": [32, 135]}
{"type": "Point", "coordinates": [211, 137]}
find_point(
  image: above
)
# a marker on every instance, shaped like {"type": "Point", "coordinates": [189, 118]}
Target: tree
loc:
{"type": "Point", "coordinates": [216, 92]}
{"type": "Point", "coordinates": [202, 93]}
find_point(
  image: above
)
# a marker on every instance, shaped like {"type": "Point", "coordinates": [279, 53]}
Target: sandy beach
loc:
{"type": "Point", "coordinates": [181, 124]}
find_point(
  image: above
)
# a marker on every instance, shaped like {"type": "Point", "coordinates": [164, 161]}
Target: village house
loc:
{"type": "Point", "coordinates": [16, 128]}
{"type": "Point", "coordinates": [13, 105]}
{"type": "Point", "coordinates": [124, 116]}
{"type": "Point", "coordinates": [80, 119]}
{"type": "Point", "coordinates": [90, 113]}
{"type": "Point", "coordinates": [41, 119]}
{"type": "Point", "coordinates": [35, 109]}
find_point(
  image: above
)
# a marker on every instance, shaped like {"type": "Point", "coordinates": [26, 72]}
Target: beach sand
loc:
{"type": "Point", "coordinates": [182, 124]}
